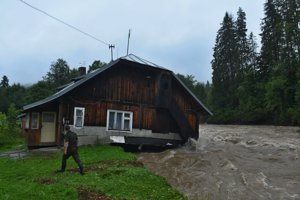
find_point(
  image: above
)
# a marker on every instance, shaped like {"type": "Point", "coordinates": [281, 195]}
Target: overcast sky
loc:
{"type": "Point", "coordinates": [176, 34]}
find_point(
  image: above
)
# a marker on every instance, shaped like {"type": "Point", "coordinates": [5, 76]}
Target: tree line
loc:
{"type": "Point", "coordinates": [251, 86]}
{"type": "Point", "coordinates": [14, 97]}
{"type": "Point", "coordinates": [17, 95]}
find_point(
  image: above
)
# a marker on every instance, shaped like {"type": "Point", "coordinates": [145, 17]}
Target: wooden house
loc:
{"type": "Point", "coordinates": [129, 100]}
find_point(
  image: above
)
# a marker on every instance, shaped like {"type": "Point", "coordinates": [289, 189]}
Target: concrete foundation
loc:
{"type": "Point", "coordinates": [91, 135]}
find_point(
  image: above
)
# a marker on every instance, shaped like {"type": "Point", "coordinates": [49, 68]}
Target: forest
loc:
{"type": "Point", "coordinates": [258, 87]}
{"type": "Point", "coordinates": [251, 83]}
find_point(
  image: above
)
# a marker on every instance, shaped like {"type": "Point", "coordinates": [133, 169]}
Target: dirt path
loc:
{"type": "Point", "coordinates": [21, 153]}
{"type": "Point", "coordinates": [14, 154]}
{"type": "Point", "coordinates": [234, 162]}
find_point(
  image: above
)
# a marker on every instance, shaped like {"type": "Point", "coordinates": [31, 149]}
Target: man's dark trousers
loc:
{"type": "Point", "coordinates": [72, 152]}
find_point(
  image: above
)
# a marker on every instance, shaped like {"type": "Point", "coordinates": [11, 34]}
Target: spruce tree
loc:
{"type": "Point", "coordinates": [291, 57]}
{"type": "Point", "coordinates": [4, 82]}
{"type": "Point", "coordinates": [249, 106]}
{"type": "Point", "coordinates": [271, 36]}
{"type": "Point", "coordinates": [250, 91]}
{"type": "Point", "coordinates": [280, 54]}
{"type": "Point", "coordinates": [225, 65]}
{"type": "Point", "coordinates": [290, 46]}
{"type": "Point", "coordinates": [242, 42]}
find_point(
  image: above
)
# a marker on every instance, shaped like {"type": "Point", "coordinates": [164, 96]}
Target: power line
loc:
{"type": "Point", "coordinates": [65, 23]}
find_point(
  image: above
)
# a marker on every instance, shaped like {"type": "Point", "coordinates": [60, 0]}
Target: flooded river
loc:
{"type": "Point", "coordinates": [233, 162]}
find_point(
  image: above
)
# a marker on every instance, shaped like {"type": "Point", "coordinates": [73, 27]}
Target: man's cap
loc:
{"type": "Point", "coordinates": [67, 127]}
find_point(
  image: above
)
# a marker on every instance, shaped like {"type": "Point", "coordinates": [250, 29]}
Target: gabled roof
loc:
{"type": "Point", "coordinates": [75, 83]}
{"type": "Point", "coordinates": [134, 58]}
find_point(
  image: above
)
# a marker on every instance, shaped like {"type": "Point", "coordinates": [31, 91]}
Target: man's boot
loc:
{"type": "Point", "coordinates": [81, 170]}
{"type": "Point", "coordinates": [63, 165]}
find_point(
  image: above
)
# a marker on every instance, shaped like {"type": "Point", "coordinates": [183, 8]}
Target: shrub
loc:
{"type": "Point", "coordinates": [9, 127]}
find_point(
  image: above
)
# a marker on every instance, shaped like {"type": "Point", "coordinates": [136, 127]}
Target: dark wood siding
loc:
{"type": "Point", "coordinates": [123, 88]}
{"type": "Point", "coordinates": [187, 104]}
{"type": "Point", "coordinates": [33, 136]}
{"type": "Point", "coordinates": [154, 96]}
{"type": "Point", "coordinates": [121, 83]}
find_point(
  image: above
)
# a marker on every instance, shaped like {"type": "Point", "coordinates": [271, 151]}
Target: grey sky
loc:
{"type": "Point", "coordinates": [176, 34]}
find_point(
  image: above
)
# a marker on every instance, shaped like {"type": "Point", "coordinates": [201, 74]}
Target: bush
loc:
{"type": "Point", "coordinates": [4, 130]}
{"type": "Point", "coordinates": [9, 127]}
{"type": "Point", "coordinates": [225, 116]}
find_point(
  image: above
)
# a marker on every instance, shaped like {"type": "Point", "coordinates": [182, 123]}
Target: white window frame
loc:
{"type": "Point", "coordinates": [38, 120]}
{"type": "Point", "coordinates": [75, 117]}
{"type": "Point", "coordinates": [130, 118]}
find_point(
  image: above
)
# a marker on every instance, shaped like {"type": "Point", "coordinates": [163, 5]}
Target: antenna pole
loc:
{"type": "Point", "coordinates": [128, 41]}
{"type": "Point", "coordinates": [111, 51]}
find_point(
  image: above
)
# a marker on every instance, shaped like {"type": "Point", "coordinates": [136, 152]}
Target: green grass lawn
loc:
{"type": "Point", "coordinates": [111, 173]}
{"type": "Point", "coordinates": [16, 144]}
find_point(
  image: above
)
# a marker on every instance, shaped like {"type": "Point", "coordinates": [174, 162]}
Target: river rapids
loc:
{"type": "Point", "coordinates": [233, 162]}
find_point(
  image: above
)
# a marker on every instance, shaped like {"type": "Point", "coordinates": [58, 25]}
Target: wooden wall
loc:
{"type": "Point", "coordinates": [121, 83]}
{"type": "Point", "coordinates": [123, 88]}
{"type": "Point", "coordinates": [136, 89]}
{"type": "Point", "coordinates": [33, 136]}
{"type": "Point", "coordinates": [143, 90]}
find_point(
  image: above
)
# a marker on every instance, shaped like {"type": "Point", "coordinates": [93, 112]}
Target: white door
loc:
{"type": "Point", "coordinates": [48, 127]}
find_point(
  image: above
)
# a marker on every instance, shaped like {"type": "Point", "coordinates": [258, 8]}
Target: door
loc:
{"type": "Point", "coordinates": [48, 127]}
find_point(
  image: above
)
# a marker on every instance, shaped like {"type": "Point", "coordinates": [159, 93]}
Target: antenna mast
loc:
{"type": "Point", "coordinates": [111, 50]}
{"type": "Point", "coordinates": [128, 41]}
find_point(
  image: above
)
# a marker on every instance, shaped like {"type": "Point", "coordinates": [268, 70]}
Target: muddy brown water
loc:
{"type": "Point", "coordinates": [233, 162]}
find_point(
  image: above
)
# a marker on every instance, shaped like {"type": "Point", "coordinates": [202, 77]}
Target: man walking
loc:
{"type": "Point", "coordinates": [70, 149]}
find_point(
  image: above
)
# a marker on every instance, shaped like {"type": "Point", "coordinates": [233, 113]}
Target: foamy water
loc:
{"type": "Point", "coordinates": [234, 162]}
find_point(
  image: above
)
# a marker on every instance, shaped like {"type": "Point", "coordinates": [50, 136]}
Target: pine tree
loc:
{"type": "Point", "coordinates": [4, 101]}
{"type": "Point", "coordinates": [250, 91]}
{"type": "Point", "coordinates": [225, 65]}
{"type": "Point", "coordinates": [289, 55]}
{"type": "Point", "coordinates": [4, 82]}
{"type": "Point", "coordinates": [242, 42]}
{"type": "Point", "coordinates": [271, 37]}
{"type": "Point", "coordinates": [280, 54]}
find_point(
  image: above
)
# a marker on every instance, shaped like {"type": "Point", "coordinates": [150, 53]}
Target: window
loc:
{"type": "Point", "coordinates": [34, 120]}
{"type": "Point", "coordinates": [78, 117]}
{"type": "Point", "coordinates": [119, 120]}
{"type": "Point", "coordinates": [48, 117]}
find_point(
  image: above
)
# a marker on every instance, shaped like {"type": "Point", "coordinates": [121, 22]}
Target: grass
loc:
{"type": "Point", "coordinates": [17, 144]}
{"type": "Point", "coordinates": [111, 173]}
